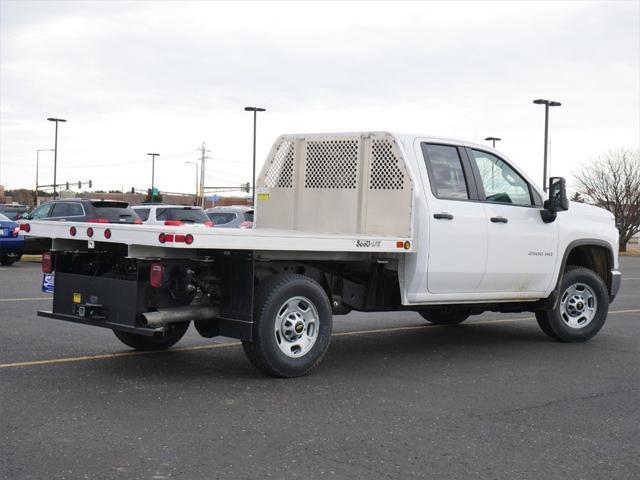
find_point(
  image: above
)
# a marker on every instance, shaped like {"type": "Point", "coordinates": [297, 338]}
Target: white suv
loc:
{"type": "Point", "coordinates": [174, 215]}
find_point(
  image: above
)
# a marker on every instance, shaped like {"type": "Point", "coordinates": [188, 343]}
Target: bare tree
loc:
{"type": "Point", "coordinates": [612, 181]}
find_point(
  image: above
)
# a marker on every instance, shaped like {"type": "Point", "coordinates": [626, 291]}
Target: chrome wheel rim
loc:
{"type": "Point", "coordinates": [578, 305]}
{"type": "Point", "coordinates": [296, 327]}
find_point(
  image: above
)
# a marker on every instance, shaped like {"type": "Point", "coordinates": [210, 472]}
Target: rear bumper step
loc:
{"type": "Point", "coordinates": [100, 323]}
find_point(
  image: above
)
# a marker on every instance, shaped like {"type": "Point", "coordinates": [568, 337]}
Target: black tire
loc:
{"type": "Point", "coordinates": [555, 323]}
{"type": "Point", "coordinates": [6, 260]}
{"type": "Point", "coordinates": [271, 296]}
{"type": "Point", "coordinates": [168, 339]}
{"type": "Point", "coordinates": [443, 317]}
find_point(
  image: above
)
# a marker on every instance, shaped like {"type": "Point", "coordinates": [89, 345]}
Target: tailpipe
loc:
{"type": "Point", "coordinates": [164, 316]}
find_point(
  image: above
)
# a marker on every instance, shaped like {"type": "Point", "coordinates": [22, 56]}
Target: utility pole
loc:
{"type": "Point", "coordinates": [203, 157]}
{"type": "Point", "coordinates": [55, 154]}
{"type": "Point", "coordinates": [255, 111]}
{"type": "Point", "coordinates": [547, 104]}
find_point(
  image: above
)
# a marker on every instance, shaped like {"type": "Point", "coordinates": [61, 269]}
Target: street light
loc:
{"type": "Point", "coordinates": [255, 111]}
{"type": "Point", "coordinates": [196, 165]}
{"type": "Point", "coordinates": [55, 154]}
{"type": "Point", "coordinates": [547, 104]}
{"type": "Point", "coordinates": [153, 172]}
{"type": "Point", "coordinates": [494, 140]}
{"type": "Point", "coordinates": [38, 166]}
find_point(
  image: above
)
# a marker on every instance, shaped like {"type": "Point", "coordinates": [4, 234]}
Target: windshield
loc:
{"type": "Point", "coordinates": [3, 218]}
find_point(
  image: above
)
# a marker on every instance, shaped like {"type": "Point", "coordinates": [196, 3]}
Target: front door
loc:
{"type": "Point", "coordinates": [521, 249]}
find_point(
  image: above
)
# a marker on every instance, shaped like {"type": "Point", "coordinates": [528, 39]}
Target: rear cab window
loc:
{"type": "Point", "coordinates": [143, 213]}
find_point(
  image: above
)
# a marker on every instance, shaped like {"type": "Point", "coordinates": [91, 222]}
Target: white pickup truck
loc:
{"type": "Point", "coordinates": [369, 221]}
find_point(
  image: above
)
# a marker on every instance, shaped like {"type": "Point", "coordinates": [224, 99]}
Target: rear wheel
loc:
{"type": "Point", "coordinates": [292, 326]}
{"type": "Point", "coordinates": [174, 332]}
{"type": "Point", "coordinates": [444, 317]}
{"type": "Point", "coordinates": [581, 310]}
{"type": "Point", "coordinates": [9, 259]}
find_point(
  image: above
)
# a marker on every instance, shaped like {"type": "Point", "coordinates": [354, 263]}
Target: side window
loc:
{"type": "Point", "coordinates": [501, 182]}
{"type": "Point", "coordinates": [41, 212]}
{"type": "Point", "coordinates": [60, 210]}
{"type": "Point", "coordinates": [75, 210]}
{"type": "Point", "coordinates": [161, 214]}
{"type": "Point", "coordinates": [143, 213]}
{"type": "Point", "coordinates": [445, 172]}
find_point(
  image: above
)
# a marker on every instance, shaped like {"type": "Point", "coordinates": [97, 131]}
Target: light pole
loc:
{"type": "Point", "coordinates": [547, 104]}
{"type": "Point", "coordinates": [494, 140]}
{"type": "Point", "coordinates": [55, 154]}
{"type": "Point", "coordinates": [255, 111]}
{"type": "Point", "coordinates": [153, 172]}
{"type": "Point", "coordinates": [195, 203]}
{"type": "Point", "coordinates": [38, 166]}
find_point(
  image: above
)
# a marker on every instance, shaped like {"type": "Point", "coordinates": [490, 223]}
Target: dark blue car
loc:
{"type": "Point", "coordinates": [10, 241]}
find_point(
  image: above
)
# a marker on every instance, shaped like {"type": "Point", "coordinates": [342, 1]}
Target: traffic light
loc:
{"type": "Point", "coordinates": [246, 187]}
{"type": "Point", "coordinates": [133, 189]}
{"type": "Point", "coordinates": [79, 184]}
{"type": "Point", "coordinates": [90, 183]}
{"type": "Point", "coordinates": [67, 185]}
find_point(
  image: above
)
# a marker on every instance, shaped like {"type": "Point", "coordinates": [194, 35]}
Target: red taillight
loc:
{"type": "Point", "coordinates": [188, 239]}
{"type": "Point", "coordinates": [137, 221]}
{"type": "Point", "coordinates": [156, 275]}
{"type": "Point", "coordinates": [47, 262]}
{"type": "Point", "coordinates": [107, 233]}
{"type": "Point", "coordinates": [72, 231]}
{"type": "Point", "coordinates": [179, 238]}
{"type": "Point", "coordinates": [209, 223]}
{"type": "Point", "coordinates": [98, 220]}
{"type": "Point", "coordinates": [162, 238]}
{"type": "Point", "coordinates": [173, 223]}
{"type": "Point", "coordinates": [25, 227]}
{"type": "Point", "coordinates": [15, 232]}
{"type": "Point", "coordinates": [90, 232]}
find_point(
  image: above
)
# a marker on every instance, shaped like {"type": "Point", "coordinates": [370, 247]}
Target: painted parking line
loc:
{"type": "Point", "coordinates": [236, 344]}
{"type": "Point", "coordinates": [24, 299]}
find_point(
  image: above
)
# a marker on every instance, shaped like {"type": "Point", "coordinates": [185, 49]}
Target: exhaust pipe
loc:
{"type": "Point", "coordinates": [179, 314]}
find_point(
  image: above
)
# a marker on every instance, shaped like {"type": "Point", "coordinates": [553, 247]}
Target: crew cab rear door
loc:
{"type": "Point", "coordinates": [521, 248]}
{"type": "Point", "coordinates": [456, 221]}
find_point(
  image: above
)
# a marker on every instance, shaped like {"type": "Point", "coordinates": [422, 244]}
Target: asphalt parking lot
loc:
{"type": "Point", "coordinates": [394, 398]}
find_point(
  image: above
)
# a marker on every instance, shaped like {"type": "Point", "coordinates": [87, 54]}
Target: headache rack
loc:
{"type": "Point", "coordinates": [355, 183]}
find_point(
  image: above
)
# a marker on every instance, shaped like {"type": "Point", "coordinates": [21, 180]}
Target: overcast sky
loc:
{"type": "Point", "coordinates": [141, 77]}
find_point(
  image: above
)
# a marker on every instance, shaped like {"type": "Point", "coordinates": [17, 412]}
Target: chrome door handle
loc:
{"type": "Point", "coordinates": [443, 216]}
{"type": "Point", "coordinates": [499, 220]}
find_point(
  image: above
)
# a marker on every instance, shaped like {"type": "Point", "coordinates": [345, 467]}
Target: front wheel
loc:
{"type": "Point", "coordinates": [581, 310]}
{"type": "Point", "coordinates": [174, 332]}
{"type": "Point", "coordinates": [9, 259]}
{"type": "Point", "coordinates": [292, 326]}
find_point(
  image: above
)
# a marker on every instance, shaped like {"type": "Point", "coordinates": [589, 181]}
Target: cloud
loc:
{"type": "Point", "coordinates": [141, 76]}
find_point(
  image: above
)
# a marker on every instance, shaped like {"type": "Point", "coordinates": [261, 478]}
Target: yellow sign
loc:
{"type": "Point", "coordinates": [77, 298]}
{"type": "Point", "coordinates": [263, 196]}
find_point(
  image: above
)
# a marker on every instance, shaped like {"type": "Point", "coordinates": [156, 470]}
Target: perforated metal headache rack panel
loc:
{"type": "Point", "coordinates": [336, 183]}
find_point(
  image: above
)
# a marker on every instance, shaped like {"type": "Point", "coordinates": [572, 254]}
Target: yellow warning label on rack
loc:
{"type": "Point", "coordinates": [263, 196]}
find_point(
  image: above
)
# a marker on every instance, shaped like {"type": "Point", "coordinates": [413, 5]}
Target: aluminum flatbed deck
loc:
{"type": "Point", "coordinates": [256, 239]}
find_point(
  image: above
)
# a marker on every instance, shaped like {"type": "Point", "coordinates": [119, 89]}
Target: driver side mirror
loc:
{"type": "Point", "coordinates": [557, 201]}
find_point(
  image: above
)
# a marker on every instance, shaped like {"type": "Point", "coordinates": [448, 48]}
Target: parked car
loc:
{"type": "Point", "coordinates": [235, 216]}
{"type": "Point", "coordinates": [13, 211]}
{"type": "Point", "coordinates": [160, 214]}
{"type": "Point", "coordinates": [10, 241]}
{"type": "Point", "coordinates": [77, 210]}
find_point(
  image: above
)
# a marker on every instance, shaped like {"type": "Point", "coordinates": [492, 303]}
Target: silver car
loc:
{"type": "Point", "coordinates": [231, 217]}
